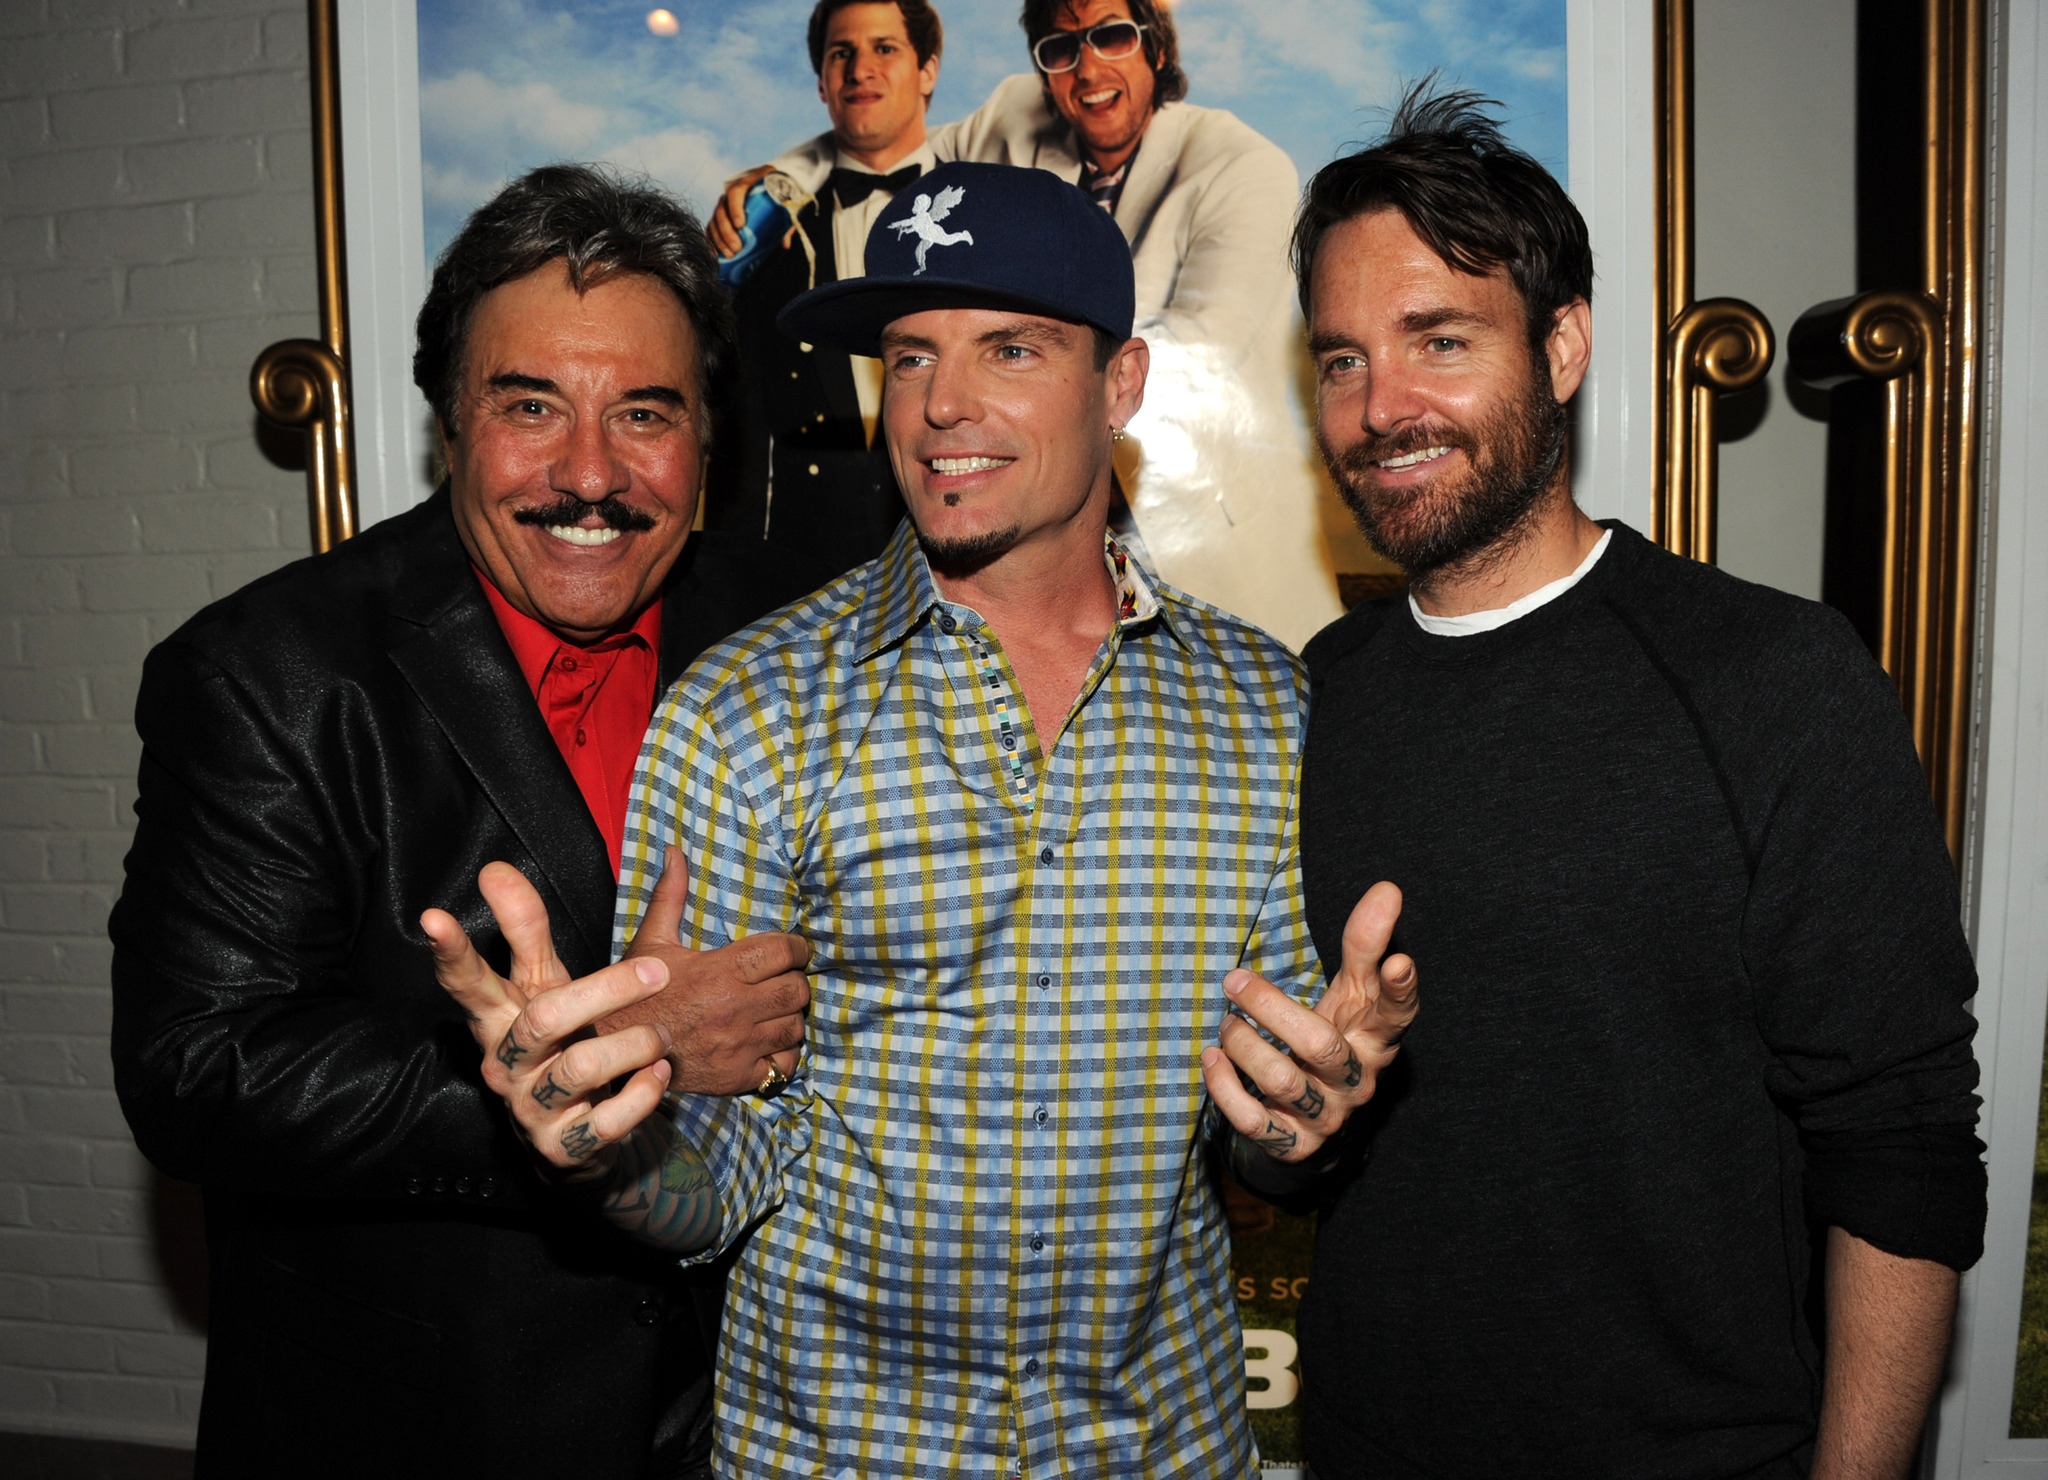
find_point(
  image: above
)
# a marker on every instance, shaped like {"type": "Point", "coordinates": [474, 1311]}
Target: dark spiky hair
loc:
{"type": "Point", "coordinates": [1479, 202]}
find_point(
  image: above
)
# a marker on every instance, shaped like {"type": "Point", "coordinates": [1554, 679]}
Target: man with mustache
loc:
{"type": "Point", "coordinates": [1675, 1176]}
{"type": "Point", "coordinates": [391, 1286]}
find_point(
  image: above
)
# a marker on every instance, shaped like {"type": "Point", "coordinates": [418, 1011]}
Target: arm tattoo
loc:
{"type": "Point", "coordinates": [509, 1051]}
{"type": "Point", "coordinates": [1310, 1103]}
{"type": "Point", "coordinates": [662, 1192]}
{"type": "Point", "coordinates": [550, 1091]}
{"type": "Point", "coordinates": [1353, 1071]}
{"type": "Point", "coordinates": [1274, 1141]}
{"type": "Point", "coordinates": [580, 1142]}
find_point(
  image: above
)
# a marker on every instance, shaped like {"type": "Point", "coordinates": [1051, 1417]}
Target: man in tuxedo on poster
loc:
{"type": "Point", "coordinates": [796, 461]}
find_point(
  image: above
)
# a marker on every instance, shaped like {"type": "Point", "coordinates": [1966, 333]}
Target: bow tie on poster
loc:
{"type": "Point", "coordinates": [851, 187]}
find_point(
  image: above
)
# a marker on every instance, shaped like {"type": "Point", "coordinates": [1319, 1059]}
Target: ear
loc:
{"type": "Point", "coordinates": [1124, 381]}
{"type": "Point", "coordinates": [1569, 348]}
{"type": "Point", "coordinates": [928, 76]}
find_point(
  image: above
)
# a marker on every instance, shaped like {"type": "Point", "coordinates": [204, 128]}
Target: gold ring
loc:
{"type": "Point", "coordinates": [776, 1080]}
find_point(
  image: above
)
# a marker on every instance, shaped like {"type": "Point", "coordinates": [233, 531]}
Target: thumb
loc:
{"type": "Point", "coordinates": [1366, 937]}
{"type": "Point", "coordinates": [662, 925]}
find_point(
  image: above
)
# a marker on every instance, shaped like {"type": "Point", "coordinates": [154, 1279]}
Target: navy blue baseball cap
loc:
{"type": "Point", "coordinates": [977, 236]}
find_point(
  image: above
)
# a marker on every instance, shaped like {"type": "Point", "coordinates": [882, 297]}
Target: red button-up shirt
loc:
{"type": "Point", "coordinates": [596, 701]}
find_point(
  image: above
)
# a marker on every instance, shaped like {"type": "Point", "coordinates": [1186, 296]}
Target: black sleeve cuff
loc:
{"type": "Point", "coordinates": [1918, 1194]}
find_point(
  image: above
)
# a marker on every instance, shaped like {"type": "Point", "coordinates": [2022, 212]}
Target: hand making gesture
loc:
{"type": "Point", "coordinates": [1329, 1058]}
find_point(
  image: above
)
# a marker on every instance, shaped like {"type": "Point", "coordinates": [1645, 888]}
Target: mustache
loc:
{"type": "Point", "coordinates": [1361, 456]}
{"type": "Point", "coordinates": [568, 509]}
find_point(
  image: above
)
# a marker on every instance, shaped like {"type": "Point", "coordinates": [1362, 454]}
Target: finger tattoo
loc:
{"type": "Point", "coordinates": [580, 1142]}
{"type": "Point", "coordinates": [1311, 1101]}
{"type": "Point", "coordinates": [550, 1091]}
{"type": "Point", "coordinates": [509, 1051]}
{"type": "Point", "coordinates": [1353, 1071]}
{"type": "Point", "coordinates": [1274, 1141]}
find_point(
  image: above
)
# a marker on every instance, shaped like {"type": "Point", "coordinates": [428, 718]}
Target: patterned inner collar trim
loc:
{"type": "Point", "coordinates": [1135, 601]}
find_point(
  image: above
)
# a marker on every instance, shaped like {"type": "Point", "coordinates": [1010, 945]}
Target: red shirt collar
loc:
{"type": "Point", "coordinates": [534, 643]}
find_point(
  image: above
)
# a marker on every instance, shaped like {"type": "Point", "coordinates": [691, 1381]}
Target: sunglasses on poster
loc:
{"type": "Point", "coordinates": [1111, 40]}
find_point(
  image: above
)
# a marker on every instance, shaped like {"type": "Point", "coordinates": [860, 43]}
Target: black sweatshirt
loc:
{"type": "Point", "coordinates": [1692, 979]}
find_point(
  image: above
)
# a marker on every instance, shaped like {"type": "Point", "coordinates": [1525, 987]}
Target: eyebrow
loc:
{"type": "Point", "coordinates": [1425, 319]}
{"type": "Point", "coordinates": [665, 395]}
{"type": "Point", "coordinates": [1021, 329]}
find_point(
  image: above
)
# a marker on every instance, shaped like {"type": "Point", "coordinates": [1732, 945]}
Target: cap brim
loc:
{"type": "Point", "coordinates": [851, 315]}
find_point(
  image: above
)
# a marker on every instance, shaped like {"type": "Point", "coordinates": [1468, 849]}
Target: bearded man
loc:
{"type": "Point", "coordinates": [1676, 1174]}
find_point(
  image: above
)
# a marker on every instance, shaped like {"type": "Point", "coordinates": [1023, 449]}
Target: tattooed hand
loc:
{"type": "Point", "coordinates": [539, 1055]}
{"type": "Point", "coordinates": [1329, 1059]}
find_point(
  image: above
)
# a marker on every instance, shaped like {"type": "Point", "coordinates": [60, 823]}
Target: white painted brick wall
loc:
{"type": "Point", "coordinates": [156, 228]}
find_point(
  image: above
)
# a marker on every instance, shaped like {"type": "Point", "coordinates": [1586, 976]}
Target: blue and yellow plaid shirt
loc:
{"type": "Point", "coordinates": [983, 1237]}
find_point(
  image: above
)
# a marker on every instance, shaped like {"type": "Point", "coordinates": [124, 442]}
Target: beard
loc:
{"type": "Point", "coordinates": [568, 509]}
{"type": "Point", "coordinates": [969, 553]}
{"type": "Point", "coordinates": [1512, 457]}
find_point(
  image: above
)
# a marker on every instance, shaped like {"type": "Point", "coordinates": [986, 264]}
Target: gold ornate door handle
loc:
{"type": "Point", "coordinates": [302, 384]}
{"type": "Point", "coordinates": [1717, 346]}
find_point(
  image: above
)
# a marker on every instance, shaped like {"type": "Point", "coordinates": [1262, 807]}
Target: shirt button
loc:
{"type": "Point", "coordinates": [412, 1186]}
{"type": "Point", "coordinates": [1009, 742]}
{"type": "Point", "coordinates": [814, 470]}
{"type": "Point", "coordinates": [440, 1185]}
{"type": "Point", "coordinates": [487, 1188]}
{"type": "Point", "coordinates": [1045, 854]}
{"type": "Point", "coordinates": [792, 375]}
{"type": "Point", "coordinates": [1044, 981]}
{"type": "Point", "coordinates": [820, 416]}
{"type": "Point", "coordinates": [579, 737]}
{"type": "Point", "coordinates": [1040, 1115]}
{"type": "Point", "coordinates": [568, 665]}
{"type": "Point", "coordinates": [1037, 1243]}
{"type": "Point", "coordinates": [1031, 1368]}
{"type": "Point", "coordinates": [948, 626]}
{"type": "Point", "coordinates": [647, 1314]}
{"type": "Point", "coordinates": [462, 1186]}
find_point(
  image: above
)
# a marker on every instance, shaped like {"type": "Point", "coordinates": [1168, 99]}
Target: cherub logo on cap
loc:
{"type": "Point", "coordinates": [924, 218]}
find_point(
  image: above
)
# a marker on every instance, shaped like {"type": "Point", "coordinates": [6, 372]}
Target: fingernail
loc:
{"type": "Point", "coordinates": [668, 1039]}
{"type": "Point", "coordinates": [1234, 983]}
{"type": "Point", "coordinates": [650, 970]}
{"type": "Point", "coordinates": [661, 1068]}
{"type": "Point", "coordinates": [1210, 1056]}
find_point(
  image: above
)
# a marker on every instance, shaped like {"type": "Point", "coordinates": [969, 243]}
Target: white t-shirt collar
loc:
{"type": "Point", "coordinates": [1475, 622]}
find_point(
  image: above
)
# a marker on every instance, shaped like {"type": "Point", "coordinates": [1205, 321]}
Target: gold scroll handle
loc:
{"type": "Point", "coordinates": [300, 383]}
{"type": "Point", "coordinates": [1891, 336]}
{"type": "Point", "coordinates": [1717, 346]}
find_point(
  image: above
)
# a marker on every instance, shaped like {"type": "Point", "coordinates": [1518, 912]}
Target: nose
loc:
{"type": "Point", "coordinates": [1392, 397]}
{"type": "Point", "coordinates": [950, 398]}
{"type": "Point", "coordinates": [587, 467]}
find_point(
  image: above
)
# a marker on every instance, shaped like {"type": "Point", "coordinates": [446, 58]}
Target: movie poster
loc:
{"type": "Point", "coordinates": [1219, 472]}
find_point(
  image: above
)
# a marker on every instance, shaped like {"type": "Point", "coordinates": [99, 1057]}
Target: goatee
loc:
{"type": "Point", "coordinates": [963, 556]}
{"type": "Point", "coordinates": [1512, 458]}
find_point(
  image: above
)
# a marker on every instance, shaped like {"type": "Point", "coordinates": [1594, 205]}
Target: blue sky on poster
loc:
{"type": "Point", "coordinates": [508, 84]}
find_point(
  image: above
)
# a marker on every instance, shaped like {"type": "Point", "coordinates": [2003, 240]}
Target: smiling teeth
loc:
{"type": "Point", "coordinates": [1427, 454]}
{"type": "Point", "coordinates": [968, 464]}
{"type": "Point", "coordinates": [1091, 99]}
{"type": "Point", "coordinates": [572, 534]}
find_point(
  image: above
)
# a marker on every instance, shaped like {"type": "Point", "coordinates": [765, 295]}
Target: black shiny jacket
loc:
{"type": "Point", "coordinates": [326, 753]}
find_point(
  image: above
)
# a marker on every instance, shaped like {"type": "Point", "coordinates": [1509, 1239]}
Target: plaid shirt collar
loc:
{"type": "Point", "coordinates": [901, 594]}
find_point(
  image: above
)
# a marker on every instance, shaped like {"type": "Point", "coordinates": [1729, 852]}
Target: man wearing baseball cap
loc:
{"type": "Point", "coordinates": [1035, 812]}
